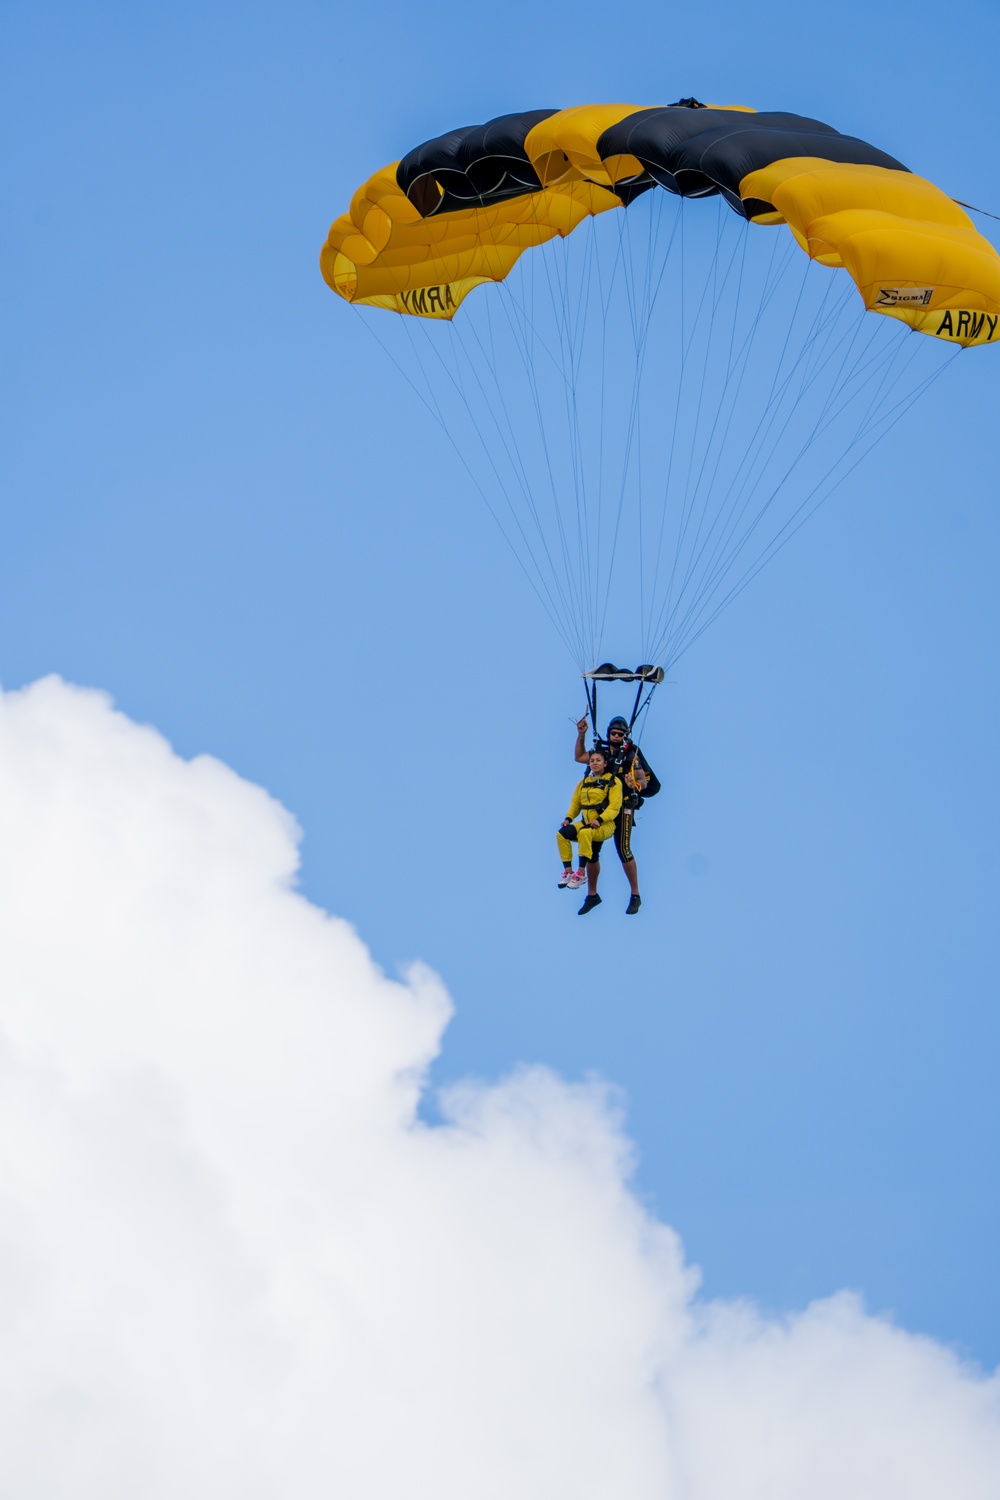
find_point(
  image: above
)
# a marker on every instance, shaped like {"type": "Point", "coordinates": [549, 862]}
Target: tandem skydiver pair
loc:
{"type": "Point", "coordinates": [603, 806]}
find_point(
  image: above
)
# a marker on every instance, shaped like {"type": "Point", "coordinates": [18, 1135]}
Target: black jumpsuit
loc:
{"type": "Point", "coordinates": [622, 761]}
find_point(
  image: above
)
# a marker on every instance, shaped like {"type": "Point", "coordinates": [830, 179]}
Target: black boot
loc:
{"type": "Point", "coordinates": [633, 905]}
{"type": "Point", "coordinates": [589, 905]}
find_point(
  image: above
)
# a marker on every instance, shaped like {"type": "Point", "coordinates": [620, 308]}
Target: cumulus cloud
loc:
{"type": "Point", "coordinates": [234, 1263]}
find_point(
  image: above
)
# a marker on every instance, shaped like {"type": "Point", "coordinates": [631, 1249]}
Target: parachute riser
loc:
{"type": "Point", "coordinates": [640, 708]}
{"type": "Point", "coordinates": [647, 676]}
{"type": "Point", "coordinates": [591, 690]}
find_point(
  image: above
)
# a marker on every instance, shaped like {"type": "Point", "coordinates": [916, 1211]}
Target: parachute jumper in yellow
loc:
{"type": "Point", "coordinates": [460, 210]}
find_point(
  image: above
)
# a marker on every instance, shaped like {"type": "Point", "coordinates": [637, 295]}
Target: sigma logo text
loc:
{"type": "Point", "coordinates": [904, 296]}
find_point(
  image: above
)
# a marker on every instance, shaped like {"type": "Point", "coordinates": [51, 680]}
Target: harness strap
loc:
{"type": "Point", "coordinates": [597, 807]}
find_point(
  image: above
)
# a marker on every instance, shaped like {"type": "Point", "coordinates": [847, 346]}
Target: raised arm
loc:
{"type": "Point", "coordinates": [580, 753]}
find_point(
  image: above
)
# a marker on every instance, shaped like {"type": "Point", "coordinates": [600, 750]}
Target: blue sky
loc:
{"type": "Point", "coordinates": [219, 507]}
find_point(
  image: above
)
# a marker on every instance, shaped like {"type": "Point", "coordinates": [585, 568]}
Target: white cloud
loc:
{"type": "Point", "coordinates": [234, 1265]}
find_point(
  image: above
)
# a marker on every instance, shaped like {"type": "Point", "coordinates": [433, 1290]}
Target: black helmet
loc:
{"type": "Point", "coordinates": [619, 723]}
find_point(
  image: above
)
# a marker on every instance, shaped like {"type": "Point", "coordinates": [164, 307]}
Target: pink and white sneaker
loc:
{"type": "Point", "coordinates": [576, 879]}
{"type": "Point", "coordinates": [564, 879]}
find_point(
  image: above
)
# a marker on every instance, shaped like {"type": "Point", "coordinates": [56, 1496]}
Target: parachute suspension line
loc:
{"type": "Point", "coordinates": [758, 455]}
{"type": "Point", "coordinates": [458, 384]}
{"type": "Point", "coordinates": [624, 259]}
{"type": "Point", "coordinates": [640, 337]}
{"type": "Point", "coordinates": [764, 556]}
{"type": "Point", "coordinates": [719, 562]}
{"type": "Point", "coordinates": [602, 562]}
{"type": "Point", "coordinates": [640, 323]}
{"type": "Point", "coordinates": [883, 390]}
{"type": "Point", "coordinates": [429, 333]}
{"type": "Point", "coordinates": [722, 560]}
{"type": "Point", "coordinates": [541, 593]}
{"type": "Point", "coordinates": [713, 303]}
{"type": "Point", "coordinates": [974, 210]}
{"type": "Point", "coordinates": [638, 408]}
{"type": "Point", "coordinates": [648, 630]}
{"type": "Point", "coordinates": [527, 487]}
{"type": "Point", "coordinates": [598, 527]}
{"type": "Point", "coordinates": [650, 296]}
{"type": "Point", "coordinates": [557, 283]}
{"type": "Point", "coordinates": [569, 571]}
{"type": "Point", "coordinates": [572, 333]}
{"type": "Point", "coordinates": [731, 511]}
{"type": "Point", "coordinates": [594, 506]}
{"type": "Point", "coordinates": [567, 588]}
{"type": "Point", "coordinates": [724, 526]}
{"type": "Point", "coordinates": [524, 334]}
{"type": "Point", "coordinates": [841, 397]}
{"type": "Point", "coordinates": [586, 486]}
{"type": "Point", "coordinates": [525, 337]}
{"type": "Point", "coordinates": [690, 497]}
{"type": "Point", "coordinates": [677, 405]}
{"type": "Point", "coordinates": [668, 488]}
{"type": "Point", "coordinates": [605, 569]}
{"type": "Point", "coordinates": [902, 406]}
{"type": "Point", "coordinates": [729, 399]}
{"type": "Point", "coordinates": [572, 570]}
{"type": "Point", "coordinates": [578, 436]}
{"type": "Point", "coordinates": [511, 447]}
{"type": "Point", "coordinates": [801, 515]}
{"type": "Point", "coordinates": [639, 302]}
{"type": "Point", "coordinates": [622, 264]}
{"type": "Point", "coordinates": [840, 394]}
{"type": "Point", "coordinates": [825, 321]}
{"type": "Point", "coordinates": [771, 281]}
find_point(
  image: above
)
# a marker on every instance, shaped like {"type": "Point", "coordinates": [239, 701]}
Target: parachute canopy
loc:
{"type": "Point", "coordinates": [460, 210]}
{"type": "Point", "coordinates": [657, 396]}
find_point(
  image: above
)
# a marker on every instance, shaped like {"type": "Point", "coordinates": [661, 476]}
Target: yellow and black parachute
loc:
{"type": "Point", "coordinates": [460, 210]}
{"type": "Point", "coordinates": [692, 523]}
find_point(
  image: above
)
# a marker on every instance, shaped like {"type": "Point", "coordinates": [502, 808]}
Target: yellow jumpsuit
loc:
{"type": "Point", "coordinates": [592, 792]}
